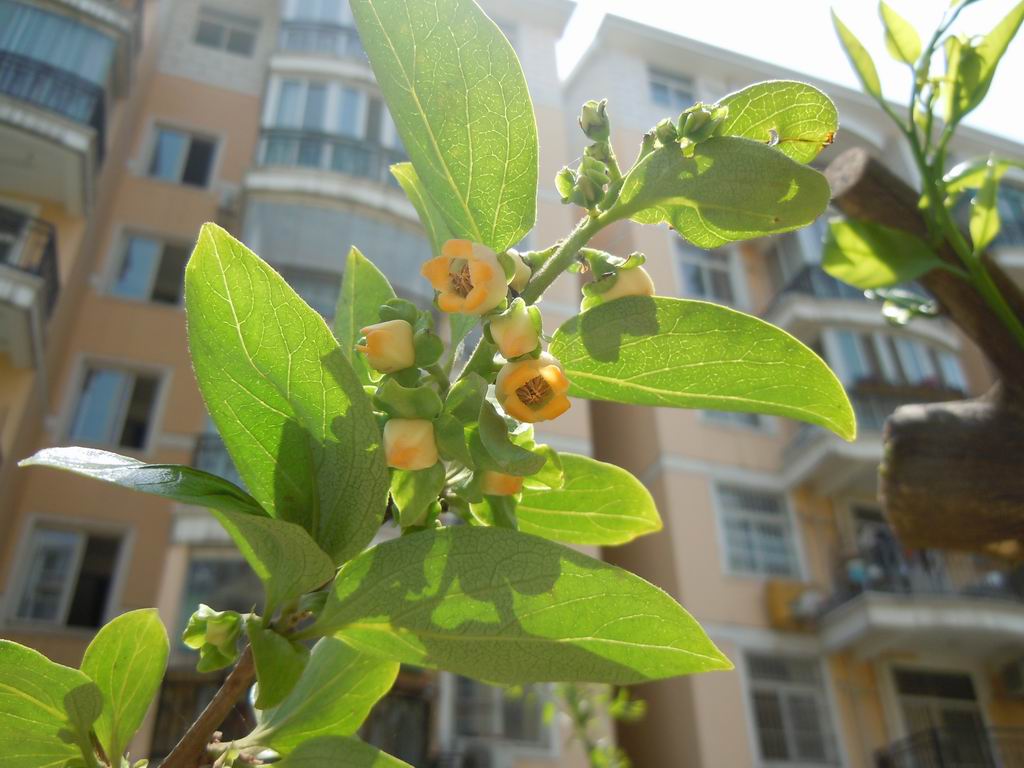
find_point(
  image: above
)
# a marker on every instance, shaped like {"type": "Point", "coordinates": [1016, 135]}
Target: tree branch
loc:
{"type": "Point", "coordinates": [190, 751]}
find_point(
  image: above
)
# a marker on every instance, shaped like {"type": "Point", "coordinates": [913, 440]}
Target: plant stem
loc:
{"type": "Point", "coordinates": [438, 374]}
{"type": "Point", "coordinates": [565, 255]}
{"type": "Point", "coordinates": [189, 752]}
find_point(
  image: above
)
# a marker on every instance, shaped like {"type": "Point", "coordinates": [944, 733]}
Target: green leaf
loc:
{"type": "Point", "coordinates": [975, 66]}
{"type": "Point", "coordinates": [287, 403]}
{"type": "Point", "coordinates": [731, 189]}
{"type": "Point", "coordinates": [451, 440]}
{"type": "Point", "coordinates": [430, 215]}
{"type": "Point", "coordinates": [414, 491]}
{"type": "Point", "coordinates": [279, 664]}
{"type": "Point", "coordinates": [795, 118]}
{"type": "Point", "coordinates": [598, 504]}
{"type": "Point", "coordinates": [459, 99]}
{"type": "Point", "coordinates": [505, 455]}
{"type": "Point", "coordinates": [985, 223]}
{"type": "Point", "coordinates": [506, 607]}
{"type": "Point", "coordinates": [868, 255]}
{"type": "Point", "coordinates": [901, 38]}
{"type": "Point", "coordinates": [339, 752]}
{"type": "Point", "coordinates": [333, 696]}
{"type": "Point", "coordinates": [171, 481]}
{"type": "Point", "coordinates": [126, 659]}
{"type": "Point", "coordinates": [400, 402]}
{"type": "Point", "coordinates": [466, 397]}
{"type": "Point", "coordinates": [46, 710]}
{"type": "Point", "coordinates": [282, 554]}
{"type": "Point", "coordinates": [693, 354]}
{"type": "Point", "coordinates": [859, 58]}
{"type": "Point", "coordinates": [971, 174]}
{"type": "Point", "coordinates": [363, 289]}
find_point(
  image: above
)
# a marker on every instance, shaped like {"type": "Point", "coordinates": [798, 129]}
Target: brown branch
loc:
{"type": "Point", "coordinates": [190, 751]}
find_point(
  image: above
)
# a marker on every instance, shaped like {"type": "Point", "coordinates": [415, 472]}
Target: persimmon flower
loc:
{"type": "Point", "coordinates": [630, 282]}
{"type": "Point", "coordinates": [467, 277]}
{"type": "Point", "coordinates": [500, 484]}
{"type": "Point", "coordinates": [388, 346]}
{"type": "Point", "coordinates": [533, 390]}
{"type": "Point", "coordinates": [515, 332]}
{"type": "Point", "coordinates": [409, 444]}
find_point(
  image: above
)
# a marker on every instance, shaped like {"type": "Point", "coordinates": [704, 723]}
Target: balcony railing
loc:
{"type": "Point", "coordinates": [328, 152]}
{"type": "Point", "coordinates": [30, 245]}
{"type": "Point", "coordinates": [322, 39]}
{"type": "Point", "coordinates": [945, 748]}
{"type": "Point", "coordinates": [55, 90]}
{"type": "Point", "coordinates": [211, 455]}
{"type": "Point", "coordinates": [812, 280]}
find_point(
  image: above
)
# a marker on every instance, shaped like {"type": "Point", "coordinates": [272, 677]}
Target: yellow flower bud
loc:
{"type": "Point", "coordinates": [514, 332]}
{"type": "Point", "coordinates": [500, 484]}
{"type": "Point", "coordinates": [630, 282]}
{"type": "Point", "coordinates": [533, 390]}
{"type": "Point", "coordinates": [409, 444]}
{"type": "Point", "coordinates": [388, 346]}
{"type": "Point", "coordinates": [468, 278]}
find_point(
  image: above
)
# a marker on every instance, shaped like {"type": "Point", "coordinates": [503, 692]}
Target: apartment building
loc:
{"type": "Point", "coordinates": [849, 650]}
{"type": "Point", "coordinates": [122, 130]}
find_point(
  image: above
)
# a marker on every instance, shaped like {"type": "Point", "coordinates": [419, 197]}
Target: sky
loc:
{"type": "Point", "coordinates": [798, 34]}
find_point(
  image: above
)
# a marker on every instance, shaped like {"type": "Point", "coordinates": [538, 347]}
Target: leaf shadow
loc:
{"type": "Point", "coordinates": [603, 329]}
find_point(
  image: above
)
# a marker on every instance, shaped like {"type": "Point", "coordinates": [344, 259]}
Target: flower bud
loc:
{"type": "Point", "coordinates": [629, 282]}
{"type": "Point", "coordinates": [594, 120]}
{"type": "Point", "coordinates": [467, 277]}
{"type": "Point", "coordinates": [595, 170]}
{"type": "Point", "coordinates": [389, 346]}
{"type": "Point", "coordinates": [565, 180]}
{"type": "Point", "coordinates": [665, 130]}
{"type": "Point", "coordinates": [215, 635]}
{"type": "Point", "coordinates": [410, 444]}
{"type": "Point", "coordinates": [599, 150]}
{"type": "Point", "coordinates": [515, 331]}
{"type": "Point", "coordinates": [587, 194]}
{"type": "Point", "coordinates": [500, 484]}
{"type": "Point", "coordinates": [533, 390]}
{"type": "Point", "coordinates": [523, 273]}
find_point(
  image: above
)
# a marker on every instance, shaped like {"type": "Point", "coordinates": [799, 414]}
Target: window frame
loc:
{"type": "Point", "coordinates": [787, 517]}
{"type": "Point", "coordinates": [684, 253]}
{"type": "Point", "coordinates": [331, 124]}
{"type": "Point", "coordinates": [117, 260]}
{"type": "Point", "coordinates": [670, 80]}
{"type": "Point", "coordinates": [190, 133]}
{"type": "Point", "coordinates": [73, 397]}
{"type": "Point", "coordinates": [228, 22]}
{"type": "Point", "coordinates": [546, 748]}
{"type": "Point", "coordinates": [826, 700]}
{"type": "Point", "coordinates": [84, 528]}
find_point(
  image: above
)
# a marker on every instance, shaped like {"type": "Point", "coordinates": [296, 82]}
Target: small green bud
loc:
{"type": "Point", "coordinates": [594, 120]}
{"type": "Point", "coordinates": [565, 180]}
{"type": "Point", "coordinates": [215, 635]}
{"type": "Point", "coordinates": [586, 193]}
{"type": "Point", "coordinates": [694, 122]}
{"type": "Point", "coordinates": [399, 309]}
{"type": "Point", "coordinates": [665, 130]}
{"type": "Point", "coordinates": [428, 348]}
{"type": "Point", "coordinates": [595, 170]}
{"type": "Point", "coordinates": [599, 151]}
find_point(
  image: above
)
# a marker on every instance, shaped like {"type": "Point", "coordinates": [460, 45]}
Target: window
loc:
{"type": "Point", "coordinates": [671, 92]}
{"type": "Point", "coordinates": [1011, 215]}
{"type": "Point", "coordinates": [227, 32]}
{"type": "Point", "coordinates": [914, 361]}
{"type": "Point", "coordinates": [68, 578]}
{"type": "Point", "coordinates": [305, 104]}
{"type": "Point", "coordinates": [221, 580]}
{"type": "Point", "coordinates": [488, 712]}
{"type": "Point", "coordinates": [318, 289]}
{"type": "Point", "coordinates": [181, 157]}
{"type": "Point", "coordinates": [705, 274]}
{"type": "Point", "coordinates": [730, 418]}
{"type": "Point", "coordinates": [151, 270]}
{"type": "Point", "coordinates": [949, 367]}
{"type": "Point", "coordinates": [791, 712]}
{"type": "Point", "coordinates": [859, 359]}
{"type": "Point", "coordinates": [115, 407]}
{"type": "Point", "coordinates": [758, 539]}
{"type": "Point", "coordinates": [324, 11]}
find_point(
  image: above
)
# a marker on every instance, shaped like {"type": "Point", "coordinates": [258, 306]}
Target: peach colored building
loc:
{"type": "Point", "coordinates": [124, 126]}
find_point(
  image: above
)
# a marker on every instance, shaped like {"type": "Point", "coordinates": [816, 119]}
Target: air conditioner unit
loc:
{"type": "Point", "coordinates": [1013, 679]}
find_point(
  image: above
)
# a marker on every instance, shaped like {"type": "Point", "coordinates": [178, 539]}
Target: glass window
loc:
{"type": "Point", "coordinates": [791, 711]}
{"type": "Point", "coordinates": [489, 712]}
{"type": "Point", "coordinates": [114, 407]}
{"type": "Point", "coordinates": [227, 32]}
{"type": "Point", "coordinates": [1011, 215]}
{"type": "Point", "coordinates": [672, 92]}
{"type": "Point", "coordinates": [914, 361]}
{"type": "Point", "coordinates": [316, 103]}
{"type": "Point", "coordinates": [349, 112]}
{"type": "Point", "coordinates": [329, 11]}
{"type": "Point", "coordinates": [952, 373]}
{"type": "Point", "coordinates": [705, 274]}
{"type": "Point", "coordinates": [68, 578]}
{"type": "Point", "coordinates": [181, 157]}
{"type": "Point", "coordinates": [55, 40]}
{"type": "Point", "coordinates": [758, 539]}
{"type": "Point", "coordinates": [289, 104]}
{"type": "Point", "coordinates": [318, 289]}
{"type": "Point", "coordinates": [151, 271]}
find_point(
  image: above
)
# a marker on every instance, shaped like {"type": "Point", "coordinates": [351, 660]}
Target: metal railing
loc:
{"type": "Point", "coordinates": [32, 248]}
{"type": "Point", "coordinates": [55, 90]}
{"type": "Point", "coordinates": [296, 147]}
{"type": "Point", "coordinates": [942, 748]}
{"type": "Point", "coordinates": [211, 455]}
{"type": "Point", "coordinates": [320, 38]}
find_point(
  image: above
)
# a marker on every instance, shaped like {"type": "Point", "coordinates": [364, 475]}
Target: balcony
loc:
{"type": "Point", "coordinates": [52, 131]}
{"type": "Point", "coordinates": [887, 599]}
{"type": "Point", "coordinates": [320, 39]}
{"type": "Point", "coordinates": [29, 284]}
{"type": "Point", "coordinates": [945, 748]}
{"type": "Point", "coordinates": [211, 455]}
{"type": "Point", "coordinates": [832, 465]}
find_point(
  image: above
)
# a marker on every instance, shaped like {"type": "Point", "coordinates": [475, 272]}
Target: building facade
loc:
{"type": "Point", "coordinates": [849, 650]}
{"type": "Point", "coordinates": [125, 126]}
